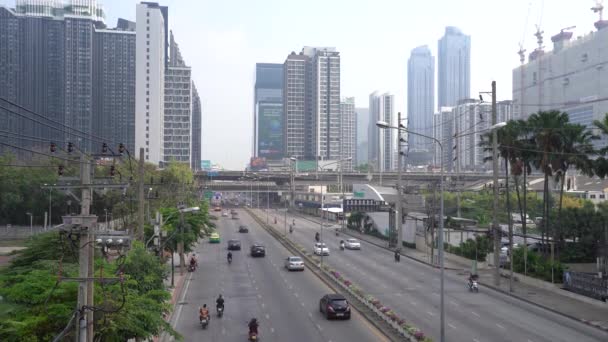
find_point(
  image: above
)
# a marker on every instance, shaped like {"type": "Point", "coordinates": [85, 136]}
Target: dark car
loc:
{"type": "Point", "coordinates": [243, 229]}
{"type": "Point", "coordinates": [234, 245]}
{"type": "Point", "coordinates": [334, 306]}
{"type": "Point", "coordinates": [258, 250]}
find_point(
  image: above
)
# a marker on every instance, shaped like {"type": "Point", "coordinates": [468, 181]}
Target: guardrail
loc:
{"type": "Point", "coordinates": [385, 323]}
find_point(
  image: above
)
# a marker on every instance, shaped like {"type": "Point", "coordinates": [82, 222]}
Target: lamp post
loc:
{"type": "Point", "coordinates": [180, 246]}
{"type": "Point", "coordinates": [294, 169]}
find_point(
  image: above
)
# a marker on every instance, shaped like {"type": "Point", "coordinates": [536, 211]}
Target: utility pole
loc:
{"type": "Point", "coordinates": [180, 245]}
{"type": "Point", "coordinates": [495, 225]}
{"type": "Point", "coordinates": [141, 199]}
{"type": "Point", "coordinates": [84, 326]}
{"type": "Point", "coordinates": [399, 205]}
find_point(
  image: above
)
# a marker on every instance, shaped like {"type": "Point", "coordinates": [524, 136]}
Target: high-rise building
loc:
{"type": "Point", "coordinates": [196, 129]}
{"type": "Point", "coordinates": [58, 60]}
{"type": "Point", "coordinates": [461, 129]}
{"type": "Point", "coordinates": [382, 143]}
{"type": "Point", "coordinates": [362, 135]}
{"type": "Point", "coordinates": [268, 111]}
{"type": "Point", "coordinates": [454, 67]}
{"type": "Point", "coordinates": [114, 83]}
{"type": "Point", "coordinates": [420, 105]}
{"type": "Point", "coordinates": [296, 105]}
{"type": "Point", "coordinates": [348, 138]}
{"type": "Point", "coordinates": [311, 101]}
{"type": "Point", "coordinates": [177, 121]}
{"type": "Point", "coordinates": [570, 78]}
{"type": "Point", "coordinates": [151, 62]}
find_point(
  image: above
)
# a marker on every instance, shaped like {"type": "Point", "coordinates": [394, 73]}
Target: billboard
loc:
{"type": "Point", "coordinates": [257, 164]}
{"type": "Point", "coordinates": [270, 130]}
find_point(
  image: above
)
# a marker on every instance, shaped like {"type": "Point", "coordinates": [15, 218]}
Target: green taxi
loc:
{"type": "Point", "coordinates": [214, 238]}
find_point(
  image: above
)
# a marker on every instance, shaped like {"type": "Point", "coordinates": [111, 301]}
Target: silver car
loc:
{"type": "Point", "coordinates": [294, 263]}
{"type": "Point", "coordinates": [352, 244]}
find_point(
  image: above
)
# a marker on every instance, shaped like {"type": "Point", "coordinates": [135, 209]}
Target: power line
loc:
{"type": "Point", "coordinates": [36, 152]}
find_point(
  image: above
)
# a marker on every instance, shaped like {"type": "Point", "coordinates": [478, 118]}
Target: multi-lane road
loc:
{"type": "Point", "coordinates": [285, 303]}
{"type": "Point", "coordinates": [411, 289]}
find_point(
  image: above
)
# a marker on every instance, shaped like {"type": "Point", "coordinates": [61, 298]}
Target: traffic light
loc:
{"type": "Point", "coordinates": [112, 170]}
{"type": "Point", "coordinates": [60, 170]}
{"type": "Point", "coordinates": [104, 148]}
{"type": "Point", "coordinates": [53, 147]}
{"type": "Point", "coordinates": [121, 148]}
{"type": "Point", "coordinates": [70, 147]}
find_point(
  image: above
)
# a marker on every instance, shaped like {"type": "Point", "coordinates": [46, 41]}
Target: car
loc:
{"type": "Point", "coordinates": [224, 214]}
{"type": "Point", "coordinates": [321, 249]}
{"type": "Point", "coordinates": [217, 209]}
{"type": "Point", "coordinates": [243, 229]}
{"type": "Point", "coordinates": [294, 263]}
{"type": "Point", "coordinates": [258, 250]}
{"type": "Point", "coordinates": [214, 238]}
{"type": "Point", "coordinates": [352, 244]}
{"type": "Point", "coordinates": [234, 245]}
{"type": "Point", "coordinates": [334, 305]}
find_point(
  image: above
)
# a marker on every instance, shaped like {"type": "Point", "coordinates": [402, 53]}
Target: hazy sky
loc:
{"type": "Point", "coordinates": [222, 41]}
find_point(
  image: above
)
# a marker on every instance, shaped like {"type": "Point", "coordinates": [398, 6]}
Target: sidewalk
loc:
{"type": "Point", "coordinates": [554, 299]}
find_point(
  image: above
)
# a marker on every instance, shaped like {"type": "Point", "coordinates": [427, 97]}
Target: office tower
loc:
{"type": "Point", "coordinates": [454, 67]}
{"type": "Point", "coordinates": [268, 111]}
{"type": "Point", "coordinates": [151, 62]}
{"type": "Point", "coordinates": [348, 138]}
{"type": "Point", "coordinates": [114, 83]}
{"type": "Point", "coordinates": [311, 100]}
{"type": "Point", "coordinates": [177, 121]}
{"type": "Point", "coordinates": [420, 105]}
{"type": "Point", "coordinates": [59, 61]}
{"type": "Point", "coordinates": [382, 142]}
{"type": "Point", "coordinates": [196, 129]}
{"type": "Point", "coordinates": [362, 135]}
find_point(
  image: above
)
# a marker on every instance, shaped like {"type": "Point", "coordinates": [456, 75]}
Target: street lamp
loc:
{"type": "Point", "coordinates": [293, 169]}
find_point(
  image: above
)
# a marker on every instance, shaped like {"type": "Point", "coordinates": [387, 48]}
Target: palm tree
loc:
{"type": "Point", "coordinates": [601, 163]}
{"type": "Point", "coordinates": [576, 151]}
{"type": "Point", "coordinates": [547, 130]}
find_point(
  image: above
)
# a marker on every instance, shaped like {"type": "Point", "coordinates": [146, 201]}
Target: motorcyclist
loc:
{"type": "Point", "coordinates": [317, 236]}
{"type": "Point", "coordinates": [290, 229]}
{"type": "Point", "coordinates": [219, 302]}
{"type": "Point", "coordinates": [203, 313]}
{"type": "Point", "coordinates": [472, 278]}
{"type": "Point", "coordinates": [253, 326]}
{"type": "Point", "coordinates": [397, 255]}
{"type": "Point", "coordinates": [229, 256]}
{"type": "Point", "coordinates": [193, 262]}
{"type": "Point", "coordinates": [342, 244]}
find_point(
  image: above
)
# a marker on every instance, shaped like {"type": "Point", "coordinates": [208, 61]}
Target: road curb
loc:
{"type": "Point", "coordinates": [359, 307]}
{"type": "Point", "coordinates": [589, 323]}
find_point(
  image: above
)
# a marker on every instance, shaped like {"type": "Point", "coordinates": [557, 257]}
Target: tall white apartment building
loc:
{"type": "Point", "coordinates": [382, 142]}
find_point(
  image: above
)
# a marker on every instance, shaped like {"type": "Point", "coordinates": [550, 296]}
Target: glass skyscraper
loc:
{"type": "Point", "coordinates": [268, 111]}
{"type": "Point", "coordinates": [454, 67]}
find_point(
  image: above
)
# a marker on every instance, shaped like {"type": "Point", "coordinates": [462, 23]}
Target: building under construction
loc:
{"type": "Point", "coordinates": [571, 77]}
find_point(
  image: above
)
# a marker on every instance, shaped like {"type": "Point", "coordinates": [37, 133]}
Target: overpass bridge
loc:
{"type": "Point", "coordinates": [324, 178]}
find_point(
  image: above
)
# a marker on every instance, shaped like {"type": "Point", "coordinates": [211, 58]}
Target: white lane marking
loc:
{"type": "Point", "coordinates": [260, 296]}
{"type": "Point", "coordinates": [399, 295]}
{"type": "Point", "coordinates": [272, 330]}
{"type": "Point", "coordinates": [475, 313]}
{"type": "Point", "coordinates": [296, 294]}
{"type": "Point", "coordinates": [451, 326]}
{"type": "Point", "coordinates": [310, 314]}
{"type": "Point", "coordinates": [267, 316]}
{"type": "Point", "coordinates": [475, 340]}
{"type": "Point", "coordinates": [179, 310]}
{"type": "Point", "coordinates": [435, 294]}
{"type": "Point", "coordinates": [430, 313]}
{"type": "Point", "coordinates": [223, 331]}
{"type": "Point", "coordinates": [500, 326]}
{"type": "Point", "coordinates": [319, 327]}
{"type": "Point", "coordinates": [263, 305]}
{"type": "Point", "coordinates": [453, 303]}
{"type": "Point", "coordinates": [413, 303]}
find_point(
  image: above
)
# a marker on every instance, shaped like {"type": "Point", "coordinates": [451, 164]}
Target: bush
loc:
{"type": "Point", "coordinates": [538, 266]}
{"type": "Point", "coordinates": [469, 249]}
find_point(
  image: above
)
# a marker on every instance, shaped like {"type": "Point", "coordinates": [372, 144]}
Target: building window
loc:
{"type": "Point", "coordinates": [602, 196]}
{"type": "Point", "coordinates": [148, 27]}
{"type": "Point", "coordinates": [148, 64]}
{"type": "Point", "coordinates": [147, 143]}
{"type": "Point", "coordinates": [147, 157]}
{"type": "Point", "coordinates": [147, 121]}
{"type": "Point", "coordinates": [147, 92]}
{"type": "Point", "coordinates": [147, 128]}
{"type": "Point", "coordinates": [147, 99]}
{"type": "Point", "coordinates": [147, 150]}
{"type": "Point", "coordinates": [148, 14]}
{"type": "Point", "coordinates": [147, 106]}
{"type": "Point", "coordinates": [147, 114]}
{"type": "Point", "coordinates": [147, 42]}
{"type": "Point", "coordinates": [148, 35]}
{"type": "Point", "coordinates": [147, 135]}
{"type": "Point", "coordinates": [592, 196]}
{"type": "Point", "coordinates": [147, 21]}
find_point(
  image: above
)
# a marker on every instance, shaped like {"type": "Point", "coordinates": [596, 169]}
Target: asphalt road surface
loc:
{"type": "Point", "coordinates": [285, 303]}
{"type": "Point", "coordinates": [411, 289]}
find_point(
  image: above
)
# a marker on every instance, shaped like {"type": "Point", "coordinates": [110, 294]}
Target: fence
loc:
{"type": "Point", "coordinates": [587, 284]}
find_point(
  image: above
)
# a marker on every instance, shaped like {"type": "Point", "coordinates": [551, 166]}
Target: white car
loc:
{"type": "Point", "coordinates": [352, 244]}
{"type": "Point", "coordinates": [294, 263]}
{"type": "Point", "coordinates": [321, 249]}
{"type": "Point", "coordinates": [225, 214]}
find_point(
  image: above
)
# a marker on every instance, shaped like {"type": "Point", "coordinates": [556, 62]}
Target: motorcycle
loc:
{"type": "Point", "coordinates": [473, 286]}
{"type": "Point", "coordinates": [290, 229]}
{"type": "Point", "coordinates": [342, 247]}
{"type": "Point", "coordinates": [191, 268]}
{"type": "Point", "coordinates": [253, 336]}
{"type": "Point", "coordinates": [205, 322]}
{"type": "Point", "coordinates": [229, 261]}
{"type": "Point", "coordinates": [220, 311]}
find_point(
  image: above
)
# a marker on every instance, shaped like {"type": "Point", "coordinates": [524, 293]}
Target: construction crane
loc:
{"type": "Point", "coordinates": [599, 8]}
{"type": "Point", "coordinates": [567, 28]}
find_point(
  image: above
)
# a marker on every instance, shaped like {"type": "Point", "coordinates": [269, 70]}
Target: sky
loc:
{"type": "Point", "coordinates": [222, 41]}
